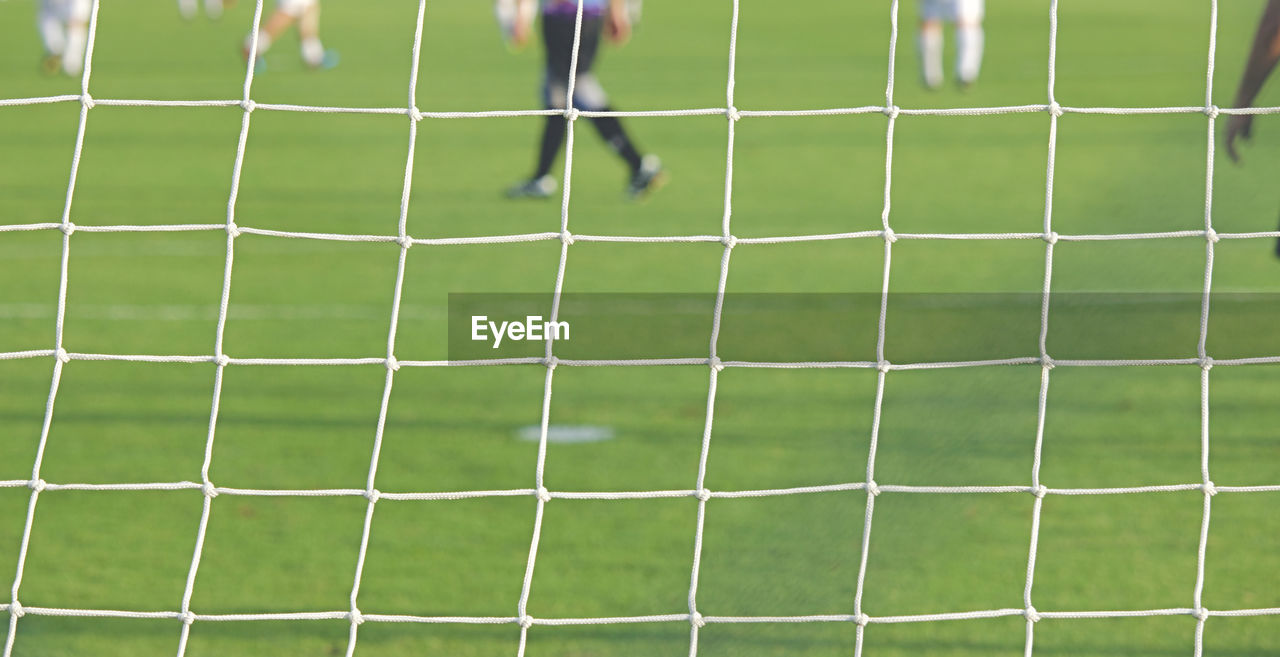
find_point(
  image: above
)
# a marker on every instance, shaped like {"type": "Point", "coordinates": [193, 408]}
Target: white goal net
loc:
{"type": "Point", "coordinates": [183, 613]}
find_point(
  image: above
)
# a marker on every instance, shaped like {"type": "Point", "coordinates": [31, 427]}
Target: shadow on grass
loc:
{"type": "Point", "coordinates": [35, 630]}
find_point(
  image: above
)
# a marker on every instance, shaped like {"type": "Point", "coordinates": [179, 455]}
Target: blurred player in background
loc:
{"type": "Point", "coordinates": [607, 17]}
{"type": "Point", "coordinates": [306, 13]}
{"type": "Point", "coordinates": [967, 17]}
{"type": "Point", "coordinates": [212, 8]}
{"type": "Point", "coordinates": [1262, 61]}
{"type": "Point", "coordinates": [64, 29]}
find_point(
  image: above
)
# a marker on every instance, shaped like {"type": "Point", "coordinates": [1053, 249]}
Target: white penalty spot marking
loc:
{"type": "Point", "coordinates": [567, 433]}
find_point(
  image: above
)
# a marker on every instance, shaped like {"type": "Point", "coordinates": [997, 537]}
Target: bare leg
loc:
{"type": "Point", "coordinates": [276, 24]}
{"type": "Point", "coordinates": [309, 35]}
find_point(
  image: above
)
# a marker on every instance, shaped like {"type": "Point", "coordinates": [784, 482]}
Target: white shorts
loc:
{"type": "Point", "coordinates": [295, 8]}
{"type": "Point", "coordinates": [963, 11]}
{"type": "Point", "coordinates": [67, 10]}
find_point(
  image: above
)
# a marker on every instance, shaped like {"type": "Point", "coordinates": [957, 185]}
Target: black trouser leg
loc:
{"type": "Point", "coordinates": [611, 130]}
{"type": "Point", "coordinates": [552, 137]}
{"type": "Point", "coordinates": [1278, 246]}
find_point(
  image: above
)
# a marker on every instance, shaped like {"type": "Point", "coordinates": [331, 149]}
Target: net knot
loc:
{"type": "Point", "coordinates": [1046, 361]}
{"type": "Point", "coordinates": [873, 489]}
{"type": "Point", "coordinates": [373, 495]}
{"type": "Point", "coordinates": [62, 356]}
{"type": "Point", "coordinates": [1211, 111]}
{"type": "Point", "coordinates": [572, 114]}
{"type": "Point", "coordinates": [404, 241]}
{"type": "Point", "coordinates": [526, 622]}
{"type": "Point", "coordinates": [1212, 236]}
{"type": "Point", "coordinates": [861, 619]}
{"type": "Point", "coordinates": [696, 620]}
{"type": "Point", "coordinates": [393, 364]}
{"type": "Point", "coordinates": [566, 238]}
{"type": "Point", "coordinates": [68, 229]}
{"type": "Point", "coordinates": [87, 101]}
{"type": "Point", "coordinates": [222, 360]}
{"type": "Point", "coordinates": [355, 616]}
{"type": "Point", "coordinates": [1050, 237]}
{"type": "Point", "coordinates": [884, 366]}
{"type": "Point", "coordinates": [733, 113]}
{"type": "Point", "coordinates": [891, 111]}
{"type": "Point", "coordinates": [1206, 363]}
{"type": "Point", "coordinates": [1031, 614]}
{"type": "Point", "coordinates": [543, 494]}
{"type": "Point", "coordinates": [1201, 614]}
{"type": "Point", "coordinates": [415, 114]}
{"type": "Point", "coordinates": [248, 105]}
{"type": "Point", "coordinates": [233, 230]}
{"type": "Point", "coordinates": [889, 235]}
{"type": "Point", "coordinates": [210, 491]}
{"type": "Point", "coordinates": [16, 610]}
{"type": "Point", "coordinates": [37, 485]}
{"type": "Point", "coordinates": [729, 241]}
{"type": "Point", "coordinates": [1040, 491]}
{"type": "Point", "coordinates": [702, 494]}
{"type": "Point", "coordinates": [716, 364]}
{"type": "Point", "coordinates": [1055, 109]}
{"type": "Point", "coordinates": [1209, 489]}
{"type": "Point", "coordinates": [188, 617]}
{"type": "Point", "coordinates": [551, 362]}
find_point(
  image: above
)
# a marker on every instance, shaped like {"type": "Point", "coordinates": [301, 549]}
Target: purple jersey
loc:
{"type": "Point", "coordinates": [570, 7]}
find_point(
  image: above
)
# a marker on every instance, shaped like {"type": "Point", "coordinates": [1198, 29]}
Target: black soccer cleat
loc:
{"type": "Point", "coordinates": [648, 178]}
{"type": "Point", "coordinates": [541, 187]}
{"type": "Point", "coordinates": [51, 64]}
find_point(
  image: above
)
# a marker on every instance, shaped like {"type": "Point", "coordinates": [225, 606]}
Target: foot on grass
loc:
{"type": "Point", "coordinates": [541, 187]}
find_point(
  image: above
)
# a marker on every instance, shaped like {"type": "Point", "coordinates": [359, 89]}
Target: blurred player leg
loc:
{"type": "Point", "coordinates": [281, 19]}
{"type": "Point", "coordinates": [557, 38]}
{"type": "Point", "coordinates": [929, 41]}
{"type": "Point", "coordinates": [77, 35]}
{"type": "Point", "coordinates": [969, 41]}
{"type": "Point", "coordinates": [188, 8]}
{"type": "Point", "coordinates": [558, 32]}
{"type": "Point", "coordinates": [53, 32]}
{"type": "Point", "coordinates": [213, 9]}
{"type": "Point", "coordinates": [589, 94]}
{"type": "Point", "coordinates": [313, 52]}
{"type": "Point", "coordinates": [276, 24]}
{"type": "Point", "coordinates": [645, 173]}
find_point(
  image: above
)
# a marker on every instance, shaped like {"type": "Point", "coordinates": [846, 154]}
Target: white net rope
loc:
{"type": "Point", "coordinates": [696, 620]}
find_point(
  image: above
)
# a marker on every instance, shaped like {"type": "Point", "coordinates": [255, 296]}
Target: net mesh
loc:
{"type": "Point", "coordinates": [691, 616]}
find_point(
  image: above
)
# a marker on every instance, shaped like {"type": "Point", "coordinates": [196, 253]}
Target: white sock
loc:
{"type": "Point", "coordinates": [187, 8]}
{"type": "Point", "coordinates": [213, 8]}
{"type": "Point", "coordinates": [264, 42]}
{"type": "Point", "coordinates": [969, 40]}
{"type": "Point", "coordinates": [73, 58]}
{"type": "Point", "coordinates": [929, 42]}
{"type": "Point", "coordinates": [53, 33]}
{"type": "Point", "coordinates": [312, 51]}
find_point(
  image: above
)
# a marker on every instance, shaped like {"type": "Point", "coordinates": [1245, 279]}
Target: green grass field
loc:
{"type": "Point", "coordinates": [454, 429]}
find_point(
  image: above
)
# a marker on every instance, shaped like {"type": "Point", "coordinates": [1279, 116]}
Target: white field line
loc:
{"type": "Point", "coordinates": [209, 312]}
